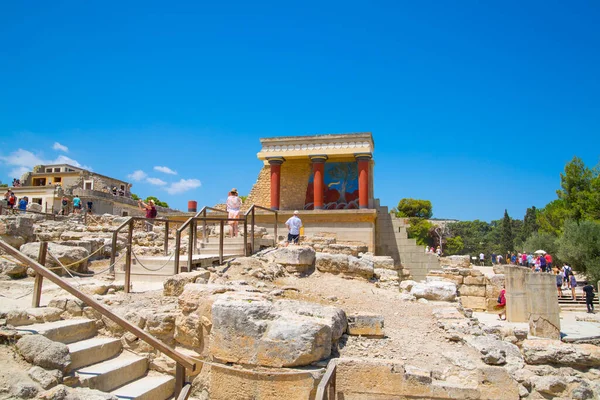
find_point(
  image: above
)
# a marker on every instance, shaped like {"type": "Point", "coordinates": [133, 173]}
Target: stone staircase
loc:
{"type": "Point", "coordinates": [101, 362]}
{"type": "Point", "coordinates": [567, 303]}
{"type": "Point", "coordinates": [392, 240]}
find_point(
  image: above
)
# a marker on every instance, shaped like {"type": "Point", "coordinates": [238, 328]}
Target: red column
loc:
{"type": "Point", "coordinates": [363, 179]}
{"type": "Point", "coordinates": [275, 181]}
{"type": "Point", "coordinates": [318, 180]}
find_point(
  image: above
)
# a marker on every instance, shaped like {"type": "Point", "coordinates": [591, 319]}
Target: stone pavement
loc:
{"type": "Point", "coordinates": [573, 325]}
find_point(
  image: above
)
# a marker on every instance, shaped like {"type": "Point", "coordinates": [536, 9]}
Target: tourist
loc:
{"type": "Point", "coordinates": [427, 249]}
{"type": "Point", "coordinates": [294, 223]}
{"type": "Point", "coordinates": [65, 205]}
{"type": "Point", "coordinates": [76, 204]}
{"type": "Point", "coordinates": [566, 273]}
{"type": "Point", "coordinates": [589, 297]}
{"type": "Point", "coordinates": [537, 265]}
{"type": "Point", "coordinates": [499, 258]}
{"type": "Point", "coordinates": [513, 259]}
{"type": "Point", "coordinates": [23, 204]}
{"type": "Point", "coordinates": [7, 195]}
{"type": "Point", "coordinates": [502, 304]}
{"type": "Point", "coordinates": [530, 260]}
{"type": "Point", "coordinates": [548, 258]}
{"type": "Point", "coordinates": [114, 190]}
{"type": "Point", "coordinates": [438, 251]}
{"type": "Point", "coordinates": [493, 258]}
{"type": "Point", "coordinates": [573, 283]}
{"type": "Point", "coordinates": [234, 204]}
{"type": "Point", "coordinates": [12, 200]}
{"type": "Point", "coordinates": [559, 282]}
{"type": "Point", "coordinates": [89, 206]}
{"type": "Point", "coordinates": [524, 259]}
{"type": "Point", "coordinates": [482, 259]}
{"type": "Point", "coordinates": [150, 209]}
{"type": "Point", "coordinates": [543, 265]}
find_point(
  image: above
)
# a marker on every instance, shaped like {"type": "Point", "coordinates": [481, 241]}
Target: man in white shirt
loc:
{"type": "Point", "coordinates": [293, 224]}
{"type": "Point", "coordinates": [481, 258]}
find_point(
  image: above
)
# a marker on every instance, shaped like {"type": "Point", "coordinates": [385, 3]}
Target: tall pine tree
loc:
{"type": "Point", "coordinates": [507, 240]}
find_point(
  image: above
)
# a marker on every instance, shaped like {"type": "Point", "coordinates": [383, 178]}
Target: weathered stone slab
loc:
{"type": "Point", "coordinates": [365, 324]}
{"type": "Point", "coordinates": [173, 286]}
{"type": "Point", "coordinates": [545, 351]}
{"type": "Point", "coordinates": [475, 303]}
{"type": "Point", "coordinates": [472, 290]}
{"type": "Point", "coordinates": [442, 291]}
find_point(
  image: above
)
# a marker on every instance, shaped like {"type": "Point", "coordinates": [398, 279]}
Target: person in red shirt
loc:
{"type": "Point", "coordinates": [524, 259]}
{"type": "Point", "coordinates": [502, 304]}
{"type": "Point", "coordinates": [548, 258]}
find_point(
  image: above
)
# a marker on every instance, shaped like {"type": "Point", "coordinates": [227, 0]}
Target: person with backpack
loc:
{"type": "Point", "coordinates": [150, 209]}
{"type": "Point", "coordinates": [566, 273]}
{"type": "Point", "coordinates": [23, 204]}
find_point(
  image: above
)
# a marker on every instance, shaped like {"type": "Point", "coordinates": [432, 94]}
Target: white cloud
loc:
{"type": "Point", "coordinates": [23, 161]}
{"type": "Point", "coordinates": [156, 181]}
{"type": "Point", "coordinates": [183, 186]}
{"type": "Point", "coordinates": [137, 175]}
{"type": "Point", "coordinates": [165, 170]}
{"type": "Point", "coordinates": [60, 147]}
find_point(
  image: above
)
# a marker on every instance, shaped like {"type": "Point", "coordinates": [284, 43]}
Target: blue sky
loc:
{"type": "Point", "coordinates": [474, 105]}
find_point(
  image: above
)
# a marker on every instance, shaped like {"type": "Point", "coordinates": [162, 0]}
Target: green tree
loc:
{"type": "Point", "coordinates": [474, 235]}
{"type": "Point", "coordinates": [3, 184]}
{"type": "Point", "coordinates": [507, 239]}
{"type": "Point", "coordinates": [414, 208]}
{"type": "Point", "coordinates": [576, 190]}
{"type": "Point", "coordinates": [542, 241]}
{"type": "Point", "coordinates": [551, 218]}
{"type": "Point", "coordinates": [454, 245]}
{"type": "Point", "coordinates": [579, 246]}
{"type": "Point", "coordinates": [157, 201]}
{"type": "Point", "coordinates": [135, 197]}
{"type": "Point", "coordinates": [419, 229]}
{"type": "Point", "coordinates": [530, 224]}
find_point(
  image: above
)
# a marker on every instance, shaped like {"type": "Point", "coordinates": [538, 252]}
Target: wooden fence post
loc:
{"type": "Point", "coordinates": [252, 231]}
{"type": "Point", "coordinates": [221, 239]}
{"type": "Point", "coordinates": [37, 285]}
{"type": "Point", "coordinates": [177, 246]}
{"type": "Point", "coordinates": [166, 238]}
{"type": "Point", "coordinates": [128, 258]}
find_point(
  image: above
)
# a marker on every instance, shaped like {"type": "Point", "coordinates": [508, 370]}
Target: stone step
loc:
{"type": "Point", "coordinates": [111, 374]}
{"type": "Point", "coordinates": [155, 387]}
{"type": "Point", "coordinates": [92, 351]}
{"type": "Point", "coordinates": [65, 331]}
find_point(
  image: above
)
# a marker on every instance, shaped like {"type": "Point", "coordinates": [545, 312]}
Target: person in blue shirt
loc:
{"type": "Point", "coordinates": [543, 263]}
{"type": "Point", "coordinates": [23, 204]}
{"type": "Point", "coordinates": [76, 204]}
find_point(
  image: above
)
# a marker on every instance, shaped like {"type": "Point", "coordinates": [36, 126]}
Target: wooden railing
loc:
{"type": "Point", "coordinates": [183, 362]}
{"type": "Point", "coordinates": [252, 213]}
{"type": "Point", "coordinates": [326, 388]}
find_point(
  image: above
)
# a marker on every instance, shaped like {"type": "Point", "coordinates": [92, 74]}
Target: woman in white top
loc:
{"type": "Point", "coordinates": [234, 203]}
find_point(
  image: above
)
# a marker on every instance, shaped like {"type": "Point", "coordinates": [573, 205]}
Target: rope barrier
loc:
{"type": "Point", "coordinates": [150, 269]}
{"type": "Point", "coordinates": [61, 264]}
{"type": "Point", "coordinates": [13, 261]}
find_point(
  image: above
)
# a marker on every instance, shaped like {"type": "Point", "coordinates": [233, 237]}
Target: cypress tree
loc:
{"type": "Point", "coordinates": [507, 239]}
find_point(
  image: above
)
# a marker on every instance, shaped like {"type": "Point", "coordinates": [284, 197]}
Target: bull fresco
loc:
{"type": "Point", "coordinates": [341, 187]}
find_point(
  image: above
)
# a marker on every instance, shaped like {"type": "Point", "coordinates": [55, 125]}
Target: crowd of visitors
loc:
{"type": "Point", "coordinates": [434, 250]}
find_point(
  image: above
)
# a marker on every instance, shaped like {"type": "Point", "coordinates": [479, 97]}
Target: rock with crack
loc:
{"type": "Point", "coordinates": [46, 378]}
{"type": "Point", "coordinates": [545, 351]}
{"type": "Point", "coordinates": [16, 230]}
{"type": "Point", "coordinates": [440, 291]}
{"type": "Point", "coordinates": [173, 286]}
{"type": "Point", "coordinates": [366, 324]}
{"type": "Point", "coordinates": [494, 351]}
{"type": "Point", "coordinates": [249, 328]}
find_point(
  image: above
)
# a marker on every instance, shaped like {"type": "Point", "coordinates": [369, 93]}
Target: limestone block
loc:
{"type": "Point", "coordinates": [545, 351]}
{"type": "Point", "coordinates": [442, 291]}
{"type": "Point", "coordinates": [344, 264]}
{"type": "Point", "coordinates": [472, 290]}
{"type": "Point", "coordinates": [294, 258]}
{"type": "Point", "coordinates": [173, 285]}
{"type": "Point", "coordinates": [348, 249]}
{"type": "Point", "coordinates": [456, 261]}
{"type": "Point", "coordinates": [406, 286]}
{"type": "Point", "coordinates": [496, 383]}
{"type": "Point", "coordinates": [494, 285]}
{"type": "Point", "coordinates": [65, 254]}
{"type": "Point", "coordinates": [491, 304]}
{"type": "Point", "coordinates": [16, 231]}
{"type": "Point", "coordinates": [380, 262]}
{"type": "Point", "coordinates": [33, 315]}
{"type": "Point", "coordinates": [457, 279]}
{"type": "Point", "coordinates": [46, 378]}
{"type": "Point", "coordinates": [365, 324]}
{"type": "Point", "coordinates": [386, 275]}
{"type": "Point", "coordinates": [248, 328]}
{"type": "Point", "coordinates": [494, 351]}
{"type": "Point", "coordinates": [475, 280]}
{"type": "Point", "coordinates": [13, 270]}
{"type": "Point", "coordinates": [475, 303]}
{"type": "Point", "coordinates": [43, 352]}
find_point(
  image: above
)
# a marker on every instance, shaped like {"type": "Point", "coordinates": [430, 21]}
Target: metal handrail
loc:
{"type": "Point", "coordinates": [183, 362]}
{"type": "Point", "coordinates": [326, 388]}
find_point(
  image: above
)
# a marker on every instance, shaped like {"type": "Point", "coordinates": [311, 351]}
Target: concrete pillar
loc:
{"type": "Point", "coordinates": [516, 293]}
{"type": "Point", "coordinates": [275, 163]}
{"type": "Point", "coordinates": [544, 311]}
{"type": "Point", "coordinates": [364, 160]}
{"type": "Point", "coordinates": [318, 164]}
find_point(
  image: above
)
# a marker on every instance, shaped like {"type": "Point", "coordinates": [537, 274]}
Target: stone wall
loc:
{"type": "Point", "coordinates": [260, 194]}
{"type": "Point", "coordinates": [294, 182]}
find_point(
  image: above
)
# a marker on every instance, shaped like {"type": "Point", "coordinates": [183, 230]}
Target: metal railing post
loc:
{"type": "Point", "coordinates": [128, 257]}
{"type": "Point", "coordinates": [177, 246]}
{"type": "Point", "coordinates": [221, 239]}
{"type": "Point", "coordinates": [252, 230]}
{"type": "Point", "coordinates": [246, 236]}
{"type": "Point", "coordinates": [166, 238]}
{"type": "Point", "coordinates": [276, 237]}
{"type": "Point", "coordinates": [204, 233]}
{"type": "Point", "coordinates": [190, 246]}
{"type": "Point", "coordinates": [179, 379]}
{"type": "Point", "coordinates": [39, 279]}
